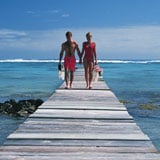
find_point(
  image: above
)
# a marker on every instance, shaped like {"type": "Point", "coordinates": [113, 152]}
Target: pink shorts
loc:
{"type": "Point", "coordinates": [70, 63]}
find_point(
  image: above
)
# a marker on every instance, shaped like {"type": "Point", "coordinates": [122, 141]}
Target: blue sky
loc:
{"type": "Point", "coordinates": [122, 29]}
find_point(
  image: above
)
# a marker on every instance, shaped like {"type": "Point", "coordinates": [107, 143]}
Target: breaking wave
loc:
{"type": "Point", "coordinates": [56, 60]}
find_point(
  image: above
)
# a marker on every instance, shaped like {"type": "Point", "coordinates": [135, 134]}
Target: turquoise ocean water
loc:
{"type": "Point", "coordinates": [136, 82]}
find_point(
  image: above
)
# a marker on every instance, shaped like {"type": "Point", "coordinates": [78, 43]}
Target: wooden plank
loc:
{"type": "Point", "coordinates": [112, 105]}
{"type": "Point", "coordinates": [82, 103]}
{"type": "Point", "coordinates": [89, 143]}
{"type": "Point", "coordinates": [56, 126]}
{"type": "Point", "coordinates": [87, 136]}
{"type": "Point", "coordinates": [82, 119]}
{"type": "Point", "coordinates": [82, 114]}
{"type": "Point", "coordinates": [81, 85]}
{"type": "Point", "coordinates": [69, 131]}
{"type": "Point", "coordinates": [63, 128]}
{"type": "Point", "coordinates": [88, 122]}
{"type": "Point", "coordinates": [116, 121]}
{"type": "Point", "coordinates": [84, 156]}
{"type": "Point", "coordinates": [81, 127]}
{"type": "Point", "coordinates": [71, 149]}
{"type": "Point", "coordinates": [83, 106]}
{"type": "Point", "coordinates": [96, 94]}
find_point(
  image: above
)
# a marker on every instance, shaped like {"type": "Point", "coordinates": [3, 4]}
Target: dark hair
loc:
{"type": "Point", "coordinates": [68, 33]}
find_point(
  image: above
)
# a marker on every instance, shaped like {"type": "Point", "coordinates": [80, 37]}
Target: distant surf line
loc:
{"type": "Point", "coordinates": [56, 61]}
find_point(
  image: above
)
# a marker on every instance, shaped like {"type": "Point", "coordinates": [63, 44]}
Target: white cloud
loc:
{"type": "Point", "coordinates": [11, 33]}
{"type": "Point", "coordinates": [30, 12]}
{"type": "Point", "coordinates": [53, 11]}
{"type": "Point", "coordinates": [47, 13]}
{"type": "Point", "coordinates": [65, 15]}
{"type": "Point", "coordinates": [127, 42]}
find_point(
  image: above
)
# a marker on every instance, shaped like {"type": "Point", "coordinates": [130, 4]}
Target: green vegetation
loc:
{"type": "Point", "coordinates": [125, 101]}
{"type": "Point", "coordinates": [149, 106]}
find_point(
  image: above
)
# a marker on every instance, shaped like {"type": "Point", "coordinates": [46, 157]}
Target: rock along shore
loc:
{"type": "Point", "coordinates": [22, 108]}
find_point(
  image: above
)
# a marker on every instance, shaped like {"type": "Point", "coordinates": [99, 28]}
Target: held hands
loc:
{"type": "Point", "coordinates": [80, 60]}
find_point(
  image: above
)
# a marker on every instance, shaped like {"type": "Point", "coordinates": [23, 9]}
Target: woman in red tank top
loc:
{"type": "Point", "coordinates": [89, 59]}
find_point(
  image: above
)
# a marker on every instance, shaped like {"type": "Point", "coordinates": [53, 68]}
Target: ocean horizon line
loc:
{"type": "Point", "coordinates": [143, 61]}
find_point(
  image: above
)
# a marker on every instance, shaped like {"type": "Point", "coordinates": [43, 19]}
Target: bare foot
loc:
{"type": "Point", "coordinates": [66, 87]}
{"type": "Point", "coordinates": [87, 87]}
{"type": "Point", "coordinates": [90, 87]}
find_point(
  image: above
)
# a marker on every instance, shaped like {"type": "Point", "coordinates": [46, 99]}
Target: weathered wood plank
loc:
{"type": "Point", "coordinates": [56, 126]}
{"type": "Point", "coordinates": [83, 103]}
{"type": "Point", "coordinates": [81, 85]}
{"type": "Point", "coordinates": [98, 143]}
{"type": "Point", "coordinates": [69, 131]}
{"type": "Point", "coordinates": [78, 128]}
{"type": "Point", "coordinates": [71, 149]}
{"type": "Point", "coordinates": [87, 136]}
{"type": "Point", "coordinates": [84, 95]}
{"type": "Point", "coordinates": [116, 121]}
{"type": "Point", "coordinates": [83, 156]}
{"type": "Point", "coordinates": [80, 122]}
{"type": "Point", "coordinates": [58, 105]}
{"type": "Point", "coordinates": [82, 114]}
{"type": "Point", "coordinates": [82, 107]}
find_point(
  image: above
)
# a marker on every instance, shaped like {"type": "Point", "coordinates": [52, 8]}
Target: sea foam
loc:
{"type": "Point", "coordinates": [56, 60]}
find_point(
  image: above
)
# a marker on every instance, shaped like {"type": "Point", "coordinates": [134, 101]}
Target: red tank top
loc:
{"type": "Point", "coordinates": [89, 50]}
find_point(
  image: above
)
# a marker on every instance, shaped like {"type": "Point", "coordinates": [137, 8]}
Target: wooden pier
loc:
{"type": "Point", "coordinates": [79, 124]}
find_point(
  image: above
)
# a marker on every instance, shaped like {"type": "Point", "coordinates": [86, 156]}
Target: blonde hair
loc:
{"type": "Point", "coordinates": [88, 34]}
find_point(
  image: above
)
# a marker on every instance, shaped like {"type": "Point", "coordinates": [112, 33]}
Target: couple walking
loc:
{"type": "Point", "coordinates": [88, 54]}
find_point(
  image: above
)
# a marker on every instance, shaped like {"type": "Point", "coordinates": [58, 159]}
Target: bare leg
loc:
{"type": "Point", "coordinates": [91, 65]}
{"type": "Point", "coordinates": [71, 78]}
{"type": "Point", "coordinates": [86, 70]}
{"type": "Point", "coordinates": [66, 77]}
{"type": "Point", "coordinates": [87, 77]}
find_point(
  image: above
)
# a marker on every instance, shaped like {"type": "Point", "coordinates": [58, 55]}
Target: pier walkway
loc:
{"type": "Point", "coordinates": [79, 124]}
